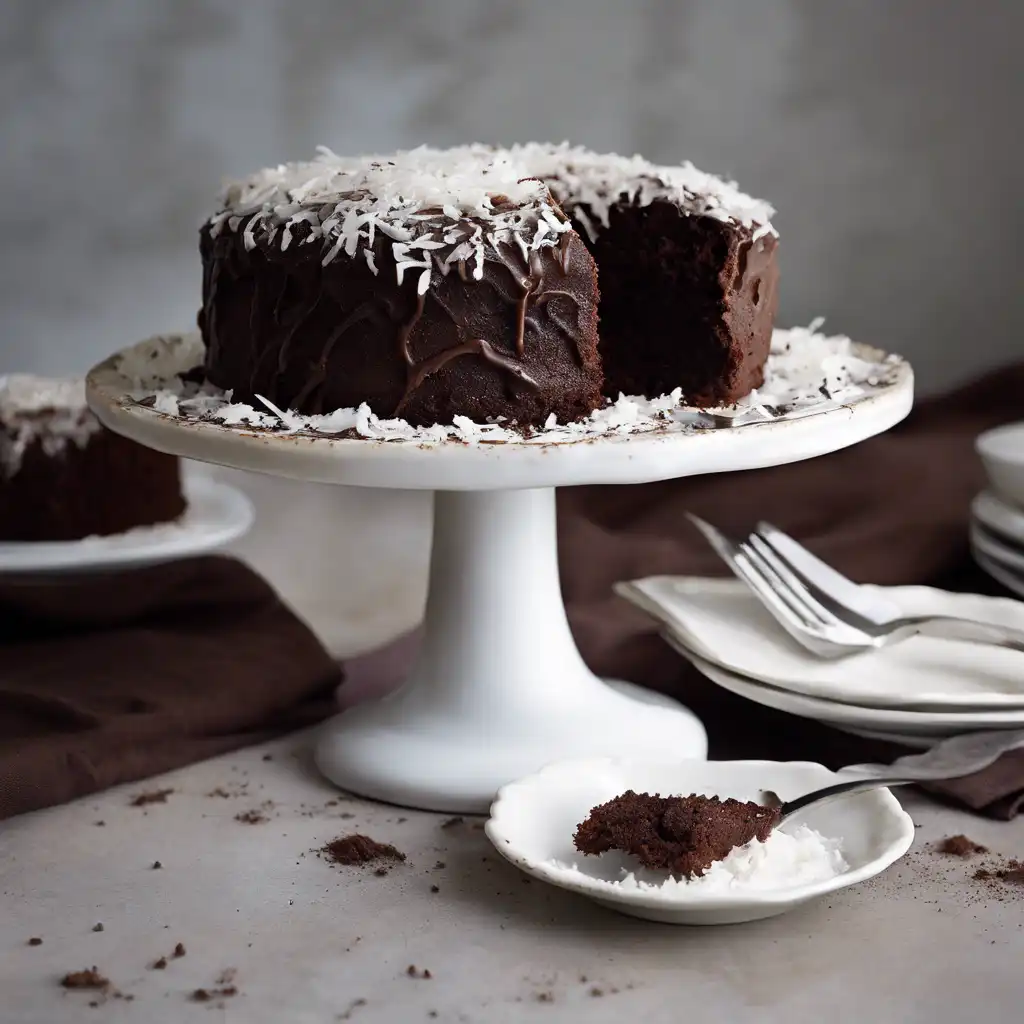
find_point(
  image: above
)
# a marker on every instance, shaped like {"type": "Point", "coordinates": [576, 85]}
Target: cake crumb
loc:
{"type": "Point", "coordinates": [157, 865]}
{"type": "Point", "coordinates": [159, 964]}
{"type": "Point", "coordinates": [35, 941]}
{"type": "Point", "coordinates": [359, 849]}
{"type": "Point", "coordinates": [545, 997]}
{"type": "Point", "coordinates": [179, 951]}
{"type": "Point", "coordinates": [960, 846]}
{"type": "Point", "coordinates": [98, 926]}
{"type": "Point", "coordinates": [153, 796]}
{"type": "Point", "coordinates": [268, 757]}
{"type": "Point", "coordinates": [253, 817]}
{"type": "Point", "coordinates": [414, 972]}
{"type": "Point", "coordinates": [596, 993]}
{"type": "Point", "coordinates": [89, 978]}
{"type": "Point", "coordinates": [435, 888]}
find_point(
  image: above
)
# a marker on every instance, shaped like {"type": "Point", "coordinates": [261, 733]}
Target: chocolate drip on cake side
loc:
{"type": "Point", "coordinates": [315, 337]}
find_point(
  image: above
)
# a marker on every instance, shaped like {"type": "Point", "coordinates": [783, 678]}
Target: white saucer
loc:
{"type": "Point", "coordinates": [1002, 453]}
{"type": "Point", "coordinates": [533, 821]}
{"type": "Point", "coordinates": [999, 515]}
{"type": "Point", "coordinates": [992, 548]}
{"type": "Point", "coordinates": [722, 622]}
{"type": "Point", "coordinates": [216, 515]}
{"type": "Point", "coordinates": [896, 722]}
{"type": "Point", "coordinates": [1001, 574]}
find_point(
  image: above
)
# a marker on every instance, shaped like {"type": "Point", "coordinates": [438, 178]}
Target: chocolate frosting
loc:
{"type": "Point", "coordinates": [521, 342]}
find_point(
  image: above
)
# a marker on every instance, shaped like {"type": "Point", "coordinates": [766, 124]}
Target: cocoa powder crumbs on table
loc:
{"type": "Point", "coordinates": [179, 951]}
{"type": "Point", "coordinates": [268, 757]}
{"type": "Point", "coordinates": [89, 978]}
{"type": "Point", "coordinates": [35, 941]}
{"type": "Point", "coordinates": [98, 926]}
{"type": "Point", "coordinates": [157, 865]}
{"type": "Point", "coordinates": [254, 817]}
{"type": "Point", "coordinates": [596, 992]}
{"type": "Point", "coordinates": [414, 972]}
{"type": "Point", "coordinates": [960, 846]}
{"type": "Point", "coordinates": [435, 888]}
{"type": "Point", "coordinates": [381, 872]}
{"type": "Point", "coordinates": [159, 964]}
{"type": "Point", "coordinates": [545, 997]}
{"type": "Point", "coordinates": [220, 791]}
{"type": "Point", "coordinates": [453, 822]}
{"type": "Point", "coordinates": [440, 865]}
{"type": "Point", "coordinates": [359, 849]}
{"type": "Point", "coordinates": [99, 824]}
{"type": "Point", "coordinates": [153, 796]}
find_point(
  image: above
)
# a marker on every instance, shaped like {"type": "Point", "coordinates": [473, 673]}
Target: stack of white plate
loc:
{"type": "Point", "coordinates": [915, 692]}
{"type": "Point", "coordinates": [997, 514]}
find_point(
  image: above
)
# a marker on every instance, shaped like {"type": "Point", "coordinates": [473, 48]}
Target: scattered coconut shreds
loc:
{"type": "Point", "coordinates": [441, 207]}
{"type": "Point", "coordinates": [807, 372]}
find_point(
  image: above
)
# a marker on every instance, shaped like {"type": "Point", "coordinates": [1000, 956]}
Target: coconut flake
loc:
{"type": "Point", "coordinates": [50, 411]}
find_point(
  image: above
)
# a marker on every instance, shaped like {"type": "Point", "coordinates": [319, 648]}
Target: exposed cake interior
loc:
{"type": "Point", "coordinates": [683, 835]}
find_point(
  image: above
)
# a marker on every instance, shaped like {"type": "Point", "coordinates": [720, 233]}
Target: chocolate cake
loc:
{"type": "Point", "coordinates": [63, 476]}
{"type": "Point", "coordinates": [433, 284]}
{"type": "Point", "coordinates": [683, 835]}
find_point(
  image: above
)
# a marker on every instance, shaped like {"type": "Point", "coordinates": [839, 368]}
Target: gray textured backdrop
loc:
{"type": "Point", "coordinates": [887, 132]}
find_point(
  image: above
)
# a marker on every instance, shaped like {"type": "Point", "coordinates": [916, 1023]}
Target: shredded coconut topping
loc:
{"type": "Point", "coordinates": [442, 207]}
{"type": "Point", "coordinates": [52, 411]}
{"type": "Point", "coordinates": [579, 176]}
{"type": "Point", "coordinates": [807, 373]}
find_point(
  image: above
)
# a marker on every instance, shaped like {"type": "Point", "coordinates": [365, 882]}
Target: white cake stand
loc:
{"type": "Point", "coordinates": [500, 688]}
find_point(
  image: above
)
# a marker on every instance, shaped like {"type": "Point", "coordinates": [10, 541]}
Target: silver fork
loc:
{"type": "Point", "coordinates": [825, 626]}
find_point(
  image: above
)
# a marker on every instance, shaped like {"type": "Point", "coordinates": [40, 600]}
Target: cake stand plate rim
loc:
{"type": "Point", "coordinates": [452, 465]}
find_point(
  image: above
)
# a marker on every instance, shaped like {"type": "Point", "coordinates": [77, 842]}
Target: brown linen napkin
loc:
{"type": "Point", "coordinates": [112, 678]}
{"type": "Point", "coordinates": [893, 510]}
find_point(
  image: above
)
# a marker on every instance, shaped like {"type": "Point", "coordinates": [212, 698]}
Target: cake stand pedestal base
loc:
{"type": "Point", "coordinates": [500, 688]}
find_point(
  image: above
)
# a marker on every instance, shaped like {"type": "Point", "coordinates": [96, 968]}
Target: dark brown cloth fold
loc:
{"type": "Point", "coordinates": [893, 510]}
{"type": "Point", "coordinates": [108, 679]}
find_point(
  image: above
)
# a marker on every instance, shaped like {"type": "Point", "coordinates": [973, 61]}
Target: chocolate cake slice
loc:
{"type": "Point", "coordinates": [63, 476]}
{"type": "Point", "coordinates": [683, 835]}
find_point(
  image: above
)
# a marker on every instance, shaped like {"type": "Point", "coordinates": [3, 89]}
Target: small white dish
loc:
{"type": "Point", "coordinates": [722, 622]}
{"type": "Point", "coordinates": [533, 821]}
{"type": "Point", "coordinates": [216, 515]}
{"type": "Point", "coordinates": [1002, 454]}
{"type": "Point", "coordinates": [999, 516]}
{"type": "Point", "coordinates": [897, 722]}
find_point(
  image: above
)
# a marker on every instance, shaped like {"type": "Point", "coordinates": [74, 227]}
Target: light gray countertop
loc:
{"type": "Point", "coordinates": [309, 940]}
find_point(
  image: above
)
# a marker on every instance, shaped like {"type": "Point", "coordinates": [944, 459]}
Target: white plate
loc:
{"type": "Point", "coordinates": [216, 515]}
{"type": "Point", "coordinates": [888, 720]}
{"type": "Point", "coordinates": [1006, 519]}
{"type": "Point", "coordinates": [724, 623]}
{"type": "Point", "coordinates": [1007, 577]}
{"type": "Point", "coordinates": [533, 821]}
{"type": "Point", "coordinates": [992, 548]}
{"type": "Point", "coordinates": [1002, 453]}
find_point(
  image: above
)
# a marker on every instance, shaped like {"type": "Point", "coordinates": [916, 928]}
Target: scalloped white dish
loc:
{"type": "Point", "coordinates": [533, 820]}
{"type": "Point", "coordinates": [216, 514]}
{"type": "Point", "coordinates": [1002, 453]}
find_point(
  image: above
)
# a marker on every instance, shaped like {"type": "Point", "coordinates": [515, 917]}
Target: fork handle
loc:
{"type": "Point", "coordinates": [950, 628]}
